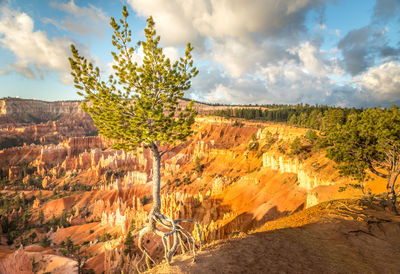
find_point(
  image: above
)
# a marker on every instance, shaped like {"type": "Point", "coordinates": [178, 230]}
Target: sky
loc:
{"type": "Point", "coordinates": [339, 52]}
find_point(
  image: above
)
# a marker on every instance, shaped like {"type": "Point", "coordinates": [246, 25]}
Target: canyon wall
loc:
{"type": "Point", "coordinates": [34, 111]}
{"type": "Point", "coordinates": [218, 177]}
{"type": "Point", "coordinates": [24, 122]}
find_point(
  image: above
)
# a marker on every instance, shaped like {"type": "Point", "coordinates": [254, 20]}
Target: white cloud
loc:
{"type": "Point", "coordinates": [292, 83]}
{"type": "Point", "coordinates": [230, 53]}
{"type": "Point", "coordinates": [35, 53]}
{"type": "Point", "coordinates": [287, 82]}
{"type": "Point", "coordinates": [172, 53]}
{"type": "Point", "coordinates": [180, 21]}
{"type": "Point", "coordinates": [224, 94]}
{"type": "Point", "coordinates": [382, 82]}
{"type": "Point", "coordinates": [80, 20]}
{"type": "Point", "coordinates": [175, 20]}
{"type": "Point", "coordinates": [312, 58]}
{"type": "Point", "coordinates": [241, 37]}
{"type": "Point", "coordinates": [247, 49]}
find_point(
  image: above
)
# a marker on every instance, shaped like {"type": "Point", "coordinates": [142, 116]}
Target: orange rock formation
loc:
{"type": "Point", "coordinates": [218, 177]}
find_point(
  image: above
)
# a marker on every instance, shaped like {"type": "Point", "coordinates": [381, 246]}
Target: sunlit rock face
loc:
{"type": "Point", "coordinates": [305, 178]}
{"type": "Point", "coordinates": [280, 163]}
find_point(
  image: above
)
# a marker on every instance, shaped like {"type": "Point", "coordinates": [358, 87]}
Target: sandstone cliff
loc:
{"type": "Point", "coordinates": [31, 121]}
{"type": "Point", "coordinates": [34, 111]}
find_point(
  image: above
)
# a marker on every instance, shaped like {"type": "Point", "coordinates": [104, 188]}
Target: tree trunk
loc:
{"type": "Point", "coordinates": [79, 266]}
{"type": "Point", "coordinates": [156, 179]}
{"type": "Point", "coordinates": [156, 217]}
{"type": "Point", "coordinates": [391, 188]}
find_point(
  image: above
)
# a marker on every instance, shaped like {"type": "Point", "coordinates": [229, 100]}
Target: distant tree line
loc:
{"type": "Point", "coordinates": [316, 117]}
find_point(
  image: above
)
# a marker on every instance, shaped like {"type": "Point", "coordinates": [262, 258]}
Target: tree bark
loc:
{"type": "Point", "coordinates": [391, 188]}
{"type": "Point", "coordinates": [156, 178]}
{"type": "Point", "coordinates": [373, 170]}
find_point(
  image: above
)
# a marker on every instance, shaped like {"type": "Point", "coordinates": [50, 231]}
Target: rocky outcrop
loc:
{"type": "Point", "coordinates": [32, 121]}
{"type": "Point", "coordinates": [17, 262]}
{"type": "Point", "coordinates": [34, 111]}
{"type": "Point", "coordinates": [115, 261]}
{"type": "Point", "coordinates": [306, 178]}
{"type": "Point", "coordinates": [36, 259]}
{"type": "Point", "coordinates": [281, 163]}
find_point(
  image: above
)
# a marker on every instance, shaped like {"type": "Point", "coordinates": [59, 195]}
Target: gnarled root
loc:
{"type": "Point", "coordinates": [169, 228]}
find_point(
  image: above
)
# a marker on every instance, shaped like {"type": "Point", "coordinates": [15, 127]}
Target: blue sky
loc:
{"type": "Point", "coordinates": [343, 52]}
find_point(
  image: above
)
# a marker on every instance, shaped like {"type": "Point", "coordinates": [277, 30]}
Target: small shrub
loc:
{"type": "Point", "coordinates": [145, 200]}
{"type": "Point", "coordinates": [186, 181]}
{"type": "Point", "coordinates": [295, 146]}
{"type": "Point", "coordinates": [45, 242]}
{"type": "Point", "coordinates": [311, 135]}
{"type": "Point", "coordinates": [237, 124]}
{"type": "Point", "coordinates": [281, 149]}
{"type": "Point", "coordinates": [105, 237]}
{"type": "Point", "coordinates": [10, 239]}
{"type": "Point", "coordinates": [198, 166]}
{"type": "Point", "coordinates": [253, 144]}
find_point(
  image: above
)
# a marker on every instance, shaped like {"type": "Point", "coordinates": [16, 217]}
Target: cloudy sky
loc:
{"type": "Point", "coordinates": [339, 52]}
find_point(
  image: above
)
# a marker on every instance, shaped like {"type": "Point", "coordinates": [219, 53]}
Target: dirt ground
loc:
{"type": "Point", "coordinates": [333, 237]}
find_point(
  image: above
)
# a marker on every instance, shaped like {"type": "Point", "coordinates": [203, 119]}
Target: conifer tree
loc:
{"type": "Point", "coordinates": [295, 146]}
{"type": "Point", "coordinates": [129, 244]}
{"type": "Point", "coordinates": [369, 141]}
{"type": "Point", "coordinates": [76, 252]}
{"type": "Point", "coordinates": [41, 217]}
{"type": "Point", "coordinates": [138, 105]}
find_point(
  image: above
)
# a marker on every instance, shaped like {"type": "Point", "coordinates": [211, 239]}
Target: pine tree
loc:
{"type": "Point", "coordinates": [198, 166]}
{"type": "Point", "coordinates": [23, 199]}
{"type": "Point", "coordinates": [45, 242]}
{"type": "Point", "coordinates": [295, 146]}
{"type": "Point", "coordinates": [53, 222]}
{"type": "Point", "coordinates": [311, 135]}
{"type": "Point", "coordinates": [129, 244]}
{"type": "Point", "coordinates": [63, 220]}
{"type": "Point", "coordinates": [33, 236]}
{"type": "Point", "coordinates": [368, 141]}
{"type": "Point", "coordinates": [41, 217]}
{"type": "Point", "coordinates": [139, 103]}
{"type": "Point", "coordinates": [75, 252]}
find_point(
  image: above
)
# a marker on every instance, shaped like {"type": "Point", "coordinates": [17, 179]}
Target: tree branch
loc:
{"type": "Point", "coordinates": [373, 170]}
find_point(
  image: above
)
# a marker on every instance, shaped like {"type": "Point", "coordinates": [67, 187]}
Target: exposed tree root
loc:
{"type": "Point", "coordinates": [167, 228]}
